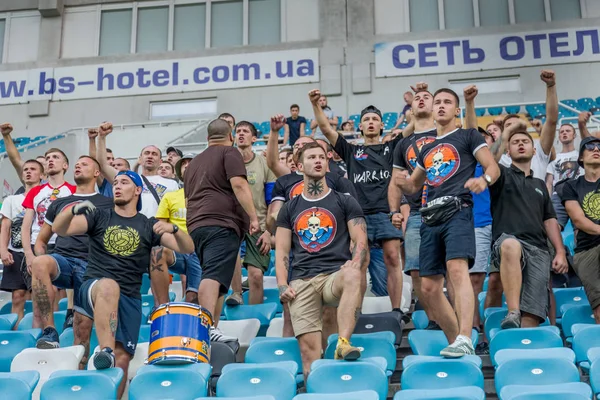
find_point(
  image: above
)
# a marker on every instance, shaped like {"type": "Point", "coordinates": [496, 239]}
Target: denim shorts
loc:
{"type": "Point", "coordinates": [189, 265]}
{"type": "Point", "coordinates": [412, 241]}
{"type": "Point", "coordinates": [449, 240]}
{"type": "Point", "coordinates": [70, 274]}
{"type": "Point", "coordinates": [380, 228]}
{"type": "Point", "coordinates": [378, 272]}
{"type": "Point", "coordinates": [129, 315]}
{"type": "Point", "coordinates": [483, 246]}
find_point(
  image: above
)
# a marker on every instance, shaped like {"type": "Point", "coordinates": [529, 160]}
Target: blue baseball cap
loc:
{"type": "Point", "coordinates": [137, 181]}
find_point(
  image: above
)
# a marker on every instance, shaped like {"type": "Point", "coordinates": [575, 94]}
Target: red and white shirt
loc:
{"type": "Point", "coordinates": [39, 199]}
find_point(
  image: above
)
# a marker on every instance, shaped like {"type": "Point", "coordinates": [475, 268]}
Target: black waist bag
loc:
{"type": "Point", "coordinates": [440, 210]}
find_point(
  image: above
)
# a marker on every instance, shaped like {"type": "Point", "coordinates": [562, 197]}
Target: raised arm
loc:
{"type": "Point", "coordinates": [470, 93]}
{"type": "Point", "coordinates": [242, 192]}
{"type": "Point", "coordinates": [107, 170]}
{"type": "Point", "coordinates": [409, 129]}
{"type": "Point", "coordinates": [73, 221]}
{"type": "Point", "coordinates": [324, 123]}
{"type": "Point", "coordinates": [286, 134]}
{"type": "Point", "coordinates": [549, 182]}
{"type": "Point", "coordinates": [357, 228]}
{"type": "Point", "coordinates": [582, 122]}
{"type": "Point", "coordinates": [499, 146]}
{"type": "Point", "coordinates": [92, 134]}
{"type": "Point", "coordinates": [179, 242]}
{"type": "Point", "coordinates": [279, 169]}
{"type": "Point", "coordinates": [549, 129]}
{"type": "Point", "coordinates": [11, 150]}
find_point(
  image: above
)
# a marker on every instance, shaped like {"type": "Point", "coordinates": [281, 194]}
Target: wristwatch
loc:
{"type": "Point", "coordinates": [488, 179]}
{"type": "Point", "coordinates": [175, 229]}
{"type": "Point", "coordinates": [391, 214]}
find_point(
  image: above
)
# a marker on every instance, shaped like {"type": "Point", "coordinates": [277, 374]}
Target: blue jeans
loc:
{"type": "Point", "coordinates": [70, 274]}
{"type": "Point", "coordinates": [378, 272]}
{"type": "Point", "coordinates": [189, 265]}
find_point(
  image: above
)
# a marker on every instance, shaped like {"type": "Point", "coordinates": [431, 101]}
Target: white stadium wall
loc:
{"type": "Point", "coordinates": [330, 43]}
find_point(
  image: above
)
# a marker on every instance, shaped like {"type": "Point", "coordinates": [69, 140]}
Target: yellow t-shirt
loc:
{"type": "Point", "coordinates": [172, 207]}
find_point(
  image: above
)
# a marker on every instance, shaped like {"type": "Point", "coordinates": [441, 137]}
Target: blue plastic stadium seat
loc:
{"type": "Point", "coordinates": [264, 128]}
{"type": "Point", "coordinates": [544, 394]}
{"type": "Point", "coordinates": [264, 397]}
{"type": "Point", "coordinates": [515, 376]}
{"type": "Point", "coordinates": [273, 379]}
{"type": "Point", "coordinates": [388, 323]}
{"type": "Point", "coordinates": [144, 335]}
{"type": "Point", "coordinates": [494, 110]}
{"type": "Point", "coordinates": [63, 304]}
{"type": "Point", "coordinates": [505, 355]}
{"type": "Point", "coordinates": [430, 343]}
{"type": "Point", "coordinates": [269, 296]}
{"type": "Point", "coordinates": [11, 344]}
{"type": "Point", "coordinates": [20, 385]}
{"type": "Point", "coordinates": [202, 369]}
{"type": "Point", "coordinates": [175, 384]}
{"type": "Point", "coordinates": [524, 338]}
{"type": "Point", "coordinates": [420, 320]}
{"type": "Point", "coordinates": [584, 340]}
{"type": "Point", "coordinates": [145, 284]}
{"type": "Point", "coordinates": [595, 376]}
{"type": "Point", "coordinates": [570, 102]}
{"type": "Point", "coordinates": [66, 339]}
{"type": "Point", "coordinates": [75, 385]}
{"type": "Point", "coordinates": [370, 345]}
{"type": "Point", "coordinates": [263, 312]}
{"type": "Point", "coordinates": [8, 321]}
{"type": "Point", "coordinates": [59, 320]}
{"type": "Point", "coordinates": [513, 109]}
{"type": "Point", "coordinates": [585, 103]}
{"type": "Point", "coordinates": [480, 112]}
{"type": "Point", "coordinates": [568, 297]}
{"type": "Point", "coordinates": [359, 395]}
{"type": "Point", "coordinates": [264, 350]}
{"type": "Point", "coordinates": [439, 374]}
{"type": "Point", "coordinates": [409, 360]}
{"type": "Point", "coordinates": [379, 362]}
{"type": "Point", "coordinates": [494, 319]}
{"type": "Point", "coordinates": [460, 393]}
{"type": "Point", "coordinates": [576, 315]}
{"type": "Point", "coordinates": [7, 307]}
{"type": "Point", "coordinates": [348, 377]}
{"type": "Point", "coordinates": [481, 297]}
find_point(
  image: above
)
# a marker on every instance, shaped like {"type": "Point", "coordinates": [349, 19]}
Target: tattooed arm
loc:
{"type": "Point", "coordinates": [357, 228]}
{"type": "Point", "coordinates": [283, 244]}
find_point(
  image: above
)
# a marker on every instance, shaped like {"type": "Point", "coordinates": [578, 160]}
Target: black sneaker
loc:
{"type": "Point", "coordinates": [482, 349]}
{"type": "Point", "coordinates": [68, 320]}
{"type": "Point", "coordinates": [433, 326]}
{"type": "Point", "coordinates": [104, 359]}
{"type": "Point", "coordinates": [49, 339]}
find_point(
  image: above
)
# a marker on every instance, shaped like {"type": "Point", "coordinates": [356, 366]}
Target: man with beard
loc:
{"type": "Point", "coordinates": [370, 169]}
{"type": "Point", "coordinates": [64, 268]}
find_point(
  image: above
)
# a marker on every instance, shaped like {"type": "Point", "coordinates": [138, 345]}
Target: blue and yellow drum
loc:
{"type": "Point", "coordinates": [179, 334]}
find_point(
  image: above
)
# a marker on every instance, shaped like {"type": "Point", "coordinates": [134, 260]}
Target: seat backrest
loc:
{"type": "Point", "coordinates": [275, 328]}
{"type": "Point", "coordinates": [269, 296]}
{"type": "Point", "coordinates": [441, 374]}
{"type": "Point", "coordinates": [11, 344]}
{"type": "Point", "coordinates": [348, 377]}
{"type": "Point", "coordinates": [20, 385]}
{"type": "Point", "coordinates": [360, 395]}
{"type": "Point", "coordinates": [574, 296]}
{"type": "Point", "coordinates": [165, 383]}
{"type": "Point", "coordinates": [74, 385]}
{"type": "Point", "coordinates": [550, 396]}
{"type": "Point", "coordinates": [376, 305]}
{"type": "Point", "coordinates": [582, 314]}
{"type": "Point", "coordinates": [534, 371]}
{"type": "Point", "coordinates": [59, 320]}
{"type": "Point", "coordinates": [420, 319]}
{"type": "Point", "coordinates": [268, 350]}
{"type": "Point", "coordinates": [382, 322]}
{"type": "Point", "coordinates": [67, 337]}
{"type": "Point", "coordinates": [427, 343]}
{"type": "Point", "coordinates": [524, 338]}
{"type": "Point", "coordinates": [370, 347]}
{"type": "Point", "coordinates": [245, 329]}
{"type": "Point", "coordinates": [584, 340]}
{"type": "Point", "coordinates": [263, 312]}
{"type": "Point", "coordinates": [505, 355]}
{"type": "Point", "coordinates": [257, 379]}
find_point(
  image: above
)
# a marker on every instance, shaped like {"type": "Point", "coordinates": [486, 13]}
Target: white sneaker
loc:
{"type": "Point", "coordinates": [217, 336]}
{"type": "Point", "coordinates": [462, 346]}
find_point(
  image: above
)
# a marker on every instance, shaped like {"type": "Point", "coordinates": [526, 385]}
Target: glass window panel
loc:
{"type": "Point", "coordinates": [2, 30]}
{"type": "Point", "coordinates": [424, 15]}
{"type": "Point", "coordinates": [529, 11]}
{"type": "Point", "coordinates": [115, 32]}
{"type": "Point", "coordinates": [565, 9]}
{"type": "Point", "coordinates": [264, 20]}
{"type": "Point", "coordinates": [190, 27]}
{"type": "Point", "coordinates": [458, 14]}
{"type": "Point", "coordinates": [227, 24]}
{"type": "Point", "coordinates": [152, 29]}
{"type": "Point", "coordinates": [493, 13]}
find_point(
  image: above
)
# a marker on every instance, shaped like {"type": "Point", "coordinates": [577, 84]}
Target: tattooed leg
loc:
{"type": "Point", "coordinates": [348, 282]}
{"type": "Point", "coordinates": [82, 331]}
{"type": "Point", "coordinates": [160, 260]}
{"type": "Point", "coordinates": [43, 294]}
{"type": "Point", "coordinates": [105, 296]}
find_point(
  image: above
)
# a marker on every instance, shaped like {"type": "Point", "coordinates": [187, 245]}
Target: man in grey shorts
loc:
{"type": "Point", "coordinates": [523, 221]}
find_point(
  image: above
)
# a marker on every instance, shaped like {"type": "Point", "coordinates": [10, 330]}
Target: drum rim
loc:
{"type": "Point", "coordinates": [180, 304]}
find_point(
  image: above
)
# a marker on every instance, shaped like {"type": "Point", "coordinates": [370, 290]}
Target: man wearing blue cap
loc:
{"type": "Point", "coordinates": [121, 240]}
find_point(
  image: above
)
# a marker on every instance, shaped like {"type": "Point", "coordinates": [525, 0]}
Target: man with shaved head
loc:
{"type": "Point", "coordinates": [220, 213]}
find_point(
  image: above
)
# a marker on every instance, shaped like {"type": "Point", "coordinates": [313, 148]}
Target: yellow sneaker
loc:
{"type": "Point", "coordinates": [345, 351]}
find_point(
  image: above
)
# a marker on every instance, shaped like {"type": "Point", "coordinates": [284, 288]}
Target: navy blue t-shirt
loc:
{"type": "Point", "coordinates": [449, 162]}
{"type": "Point", "coordinates": [294, 125]}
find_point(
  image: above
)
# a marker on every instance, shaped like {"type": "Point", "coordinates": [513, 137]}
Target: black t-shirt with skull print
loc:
{"type": "Point", "coordinates": [370, 170]}
{"type": "Point", "coordinates": [320, 237]}
{"type": "Point", "coordinates": [449, 162]}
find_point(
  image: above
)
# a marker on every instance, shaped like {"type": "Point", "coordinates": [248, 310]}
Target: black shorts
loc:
{"type": "Point", "coordinates": [12, 279]}
{"type": "Point", "coordinates": [450, 240]}
{"type": "Point", "coordinates": [217, 249]}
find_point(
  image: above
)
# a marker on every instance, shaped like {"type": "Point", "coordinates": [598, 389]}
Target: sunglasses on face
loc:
{"type": "Point", "coordinates": [592, 146]}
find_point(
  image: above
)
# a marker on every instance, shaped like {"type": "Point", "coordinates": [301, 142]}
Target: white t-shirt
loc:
{"type": "Point", "coordinates": [565, 166]}
{"type": "Point", "coordinates": [539, 162]}
{"type": "Point", "coordinates": [162, 186]}
{"type": "Point", "coordinates": [12, 208]}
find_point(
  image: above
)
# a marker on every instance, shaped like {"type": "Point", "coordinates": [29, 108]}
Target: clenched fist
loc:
{"type": "Point", "coordinates": [277, 122]}
{"type": "Point", "coordinates": [470, 92]}
{"type": "Point", "coordinates": [419, 87]}
{"type": "Point", "coordinates": [548, 77]}
{"type": "Point", "coordinates": [314, 96]}
{"type": "Point", "coordinates": [92, 133]}
{"type": "Point", "coordinates": [6, 129]}
{"type": "Point", "coordinates": [105, 128]}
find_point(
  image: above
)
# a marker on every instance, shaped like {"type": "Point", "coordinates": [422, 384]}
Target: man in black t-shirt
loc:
{"type": "Point", "coordinates": [523, 221]}
{"type": "Point", "coordinates": [294, 126]}
{"type": "Point", "coordinates": [121, 240]}
{"type": "Point", "coordinates": [64, 268]}
{"type": "Point", "coordinates": [319, 226]}
{"type": "Point", "coordinates": [580, 197]}
{"type": "Point", "coordinates": [370, 170]}
{"type": "Point", "coordinates": [447, 165]}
